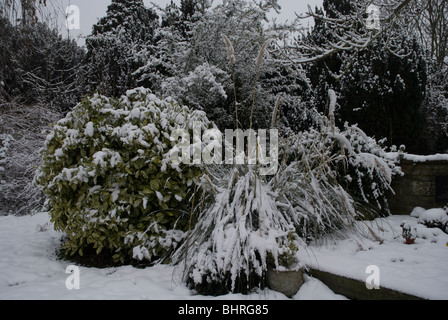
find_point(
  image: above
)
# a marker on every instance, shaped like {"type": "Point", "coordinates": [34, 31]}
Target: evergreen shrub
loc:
{"type": "Point", "coordinates": [109, 179]}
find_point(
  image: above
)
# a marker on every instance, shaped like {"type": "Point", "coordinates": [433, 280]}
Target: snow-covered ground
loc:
{"type": "Point", "coordinates": [29, 268]}
{"type": "Point", "coordinates": [419, 269]}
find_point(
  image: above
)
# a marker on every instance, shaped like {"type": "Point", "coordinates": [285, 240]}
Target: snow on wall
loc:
{"type": "Point", "coordinates": [420, 185]}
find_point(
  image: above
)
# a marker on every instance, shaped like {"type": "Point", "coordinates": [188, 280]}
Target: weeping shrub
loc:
{"type": "Point", "coordinates": [240, 233]}
{"type": "Point", "coordinates": [247, 223]}
{"type": "Point", "coordinates": [109, 179]}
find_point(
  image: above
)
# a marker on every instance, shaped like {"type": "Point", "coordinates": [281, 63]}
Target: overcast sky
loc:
{"type": "Point", "coordinates": [91, 10]}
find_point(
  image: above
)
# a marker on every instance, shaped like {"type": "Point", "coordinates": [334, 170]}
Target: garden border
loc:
{"type": "Point", "coordinates": [356, 289]}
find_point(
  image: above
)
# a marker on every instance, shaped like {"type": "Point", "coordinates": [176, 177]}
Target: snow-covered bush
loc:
{"type": "Point", "coordinates": [435, 218]}
{"type": "Point", "coordinates": [109, 179]}
{"type": "Point", "coordinates": [365, 171]}
{"type": "Point", "coordinates": [359, 163]}
{"type": "Point", "coordinates": [205, 83]}
{"type": "Point", "coordinates": [408, 231]}
{"type": "Point", "coordinates": [333, 177]}
{"type": "Point", "coordinates": [240, 233]}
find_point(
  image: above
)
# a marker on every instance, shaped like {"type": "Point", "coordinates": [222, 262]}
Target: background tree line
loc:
{"type": "Point", "coordinates": [395, 89]}
{"type": "Point", "coordinates": [178, 51]}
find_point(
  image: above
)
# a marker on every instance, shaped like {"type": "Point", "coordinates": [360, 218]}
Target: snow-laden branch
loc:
{"type": "Point", "coordinates": [347, 32]}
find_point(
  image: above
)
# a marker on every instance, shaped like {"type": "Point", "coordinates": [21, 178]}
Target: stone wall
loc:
{"type": "Point", "coordinates": [424, 184]}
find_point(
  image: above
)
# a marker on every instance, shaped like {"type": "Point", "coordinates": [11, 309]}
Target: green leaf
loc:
{"type": "Point", "coordinates": [159, 217]}
{"type": "Point", "coordinates": [147, 190]}
{"type": "Point", "coordinates": [155, 184]}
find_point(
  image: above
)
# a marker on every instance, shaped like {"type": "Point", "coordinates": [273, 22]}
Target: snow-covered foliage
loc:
{"type": "Point", "coordinates": [248, 223]}
{"type": "Point", "coordinates": [408, 231]}
{"type": "Point", "coordinates": [367, 171]}
{"type": "Point", "coordinates": [113, 46]}
{"type": "Point", "coordinates": [21, 138]}
{"type": "Point", "coordinates": [191, 63]}
{"type": "Point", "coordinates": [338, 164]}
{"type": "Point", "coordinates": [363, 166]}
{"type": "Point", "coordinates": [205, 83]}
{"type": "Point", "coordinates": [38, 66]}
{"type": "Point", "coordinates": [109, 178]}
{"type": "Point", "coordinates": [432, 218]}
{"type": "Point", "coordinates": [240, 233]}
{"type": "Point", "coordinates": [435, 218]}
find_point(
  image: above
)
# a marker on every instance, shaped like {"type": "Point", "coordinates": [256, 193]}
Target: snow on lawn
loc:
{"type": "Point", "coordinates": [29, 268]}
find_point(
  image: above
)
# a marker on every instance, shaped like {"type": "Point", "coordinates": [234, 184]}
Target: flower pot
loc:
{"type": "Point", "coordinates": [410, 241]}
{"type": "Point", "coordinates": [287, 282]}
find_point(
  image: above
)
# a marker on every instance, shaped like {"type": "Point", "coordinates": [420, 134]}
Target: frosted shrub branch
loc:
{"type": "Point", "coordinates": [21, 138]}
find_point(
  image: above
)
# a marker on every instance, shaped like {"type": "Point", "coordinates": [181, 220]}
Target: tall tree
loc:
{"type": "Point", "coordinates": [429, 21]}
{"type": "Point", "coordinates": [38, 65]}
{"type": "Point", "coordinates": [114, 43]}
{"type": "Point", "coordinates": [160, 58]}
{"type": "Point", "coordinates": [380, 76]}
{"type": "Point", "coordinates": [193, 66]}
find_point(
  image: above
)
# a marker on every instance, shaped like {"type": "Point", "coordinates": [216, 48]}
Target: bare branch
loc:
{"type": "Point", "coordinates": [349, 32]}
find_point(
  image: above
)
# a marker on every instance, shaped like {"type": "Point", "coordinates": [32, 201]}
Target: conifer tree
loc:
{"type": "Point", "coordinates": [379, 89]}
{"type": "Point", "coordinates": [112, 47]}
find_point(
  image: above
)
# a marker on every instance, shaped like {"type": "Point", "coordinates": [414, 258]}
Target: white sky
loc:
{"type": "Point", "coordinates": [91, 10]}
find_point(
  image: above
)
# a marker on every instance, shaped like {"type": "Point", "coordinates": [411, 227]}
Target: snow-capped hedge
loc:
{"type": "Point", "coordinates": [109, 178]}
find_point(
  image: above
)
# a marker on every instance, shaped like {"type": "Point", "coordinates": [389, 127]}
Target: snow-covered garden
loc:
{"type": "Point", "coordinates": [118, 182]}
{"type": "Point", "coordinates": [30, 267]}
